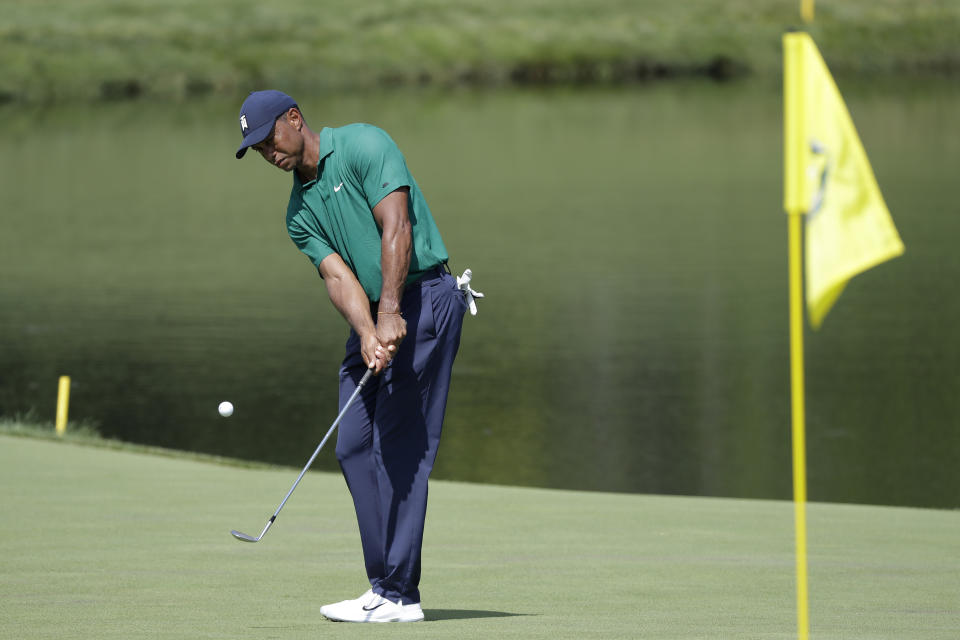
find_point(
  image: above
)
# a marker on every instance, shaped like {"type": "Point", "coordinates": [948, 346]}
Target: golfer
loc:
{"type": "Point", "coordinates": [359, 216]}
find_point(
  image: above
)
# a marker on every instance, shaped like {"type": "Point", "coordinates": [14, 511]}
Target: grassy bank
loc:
{"type": "Point", "coordinates": [114, 49]}
{"type": "Point", "coordinates": [113, 544]}
{"type": "Point", "coordinates": [87, 435]}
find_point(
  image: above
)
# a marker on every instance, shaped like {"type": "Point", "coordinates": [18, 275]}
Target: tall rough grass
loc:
{"type": "Point", "coordinates": [61, 50]}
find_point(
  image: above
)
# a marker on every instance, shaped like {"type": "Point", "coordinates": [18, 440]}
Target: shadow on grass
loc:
{"type": "Point", "coordinates": [433, 615]}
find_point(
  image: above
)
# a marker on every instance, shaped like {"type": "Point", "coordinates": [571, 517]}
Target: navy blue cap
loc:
{"type": "Point", "coordinates": [258, 113]}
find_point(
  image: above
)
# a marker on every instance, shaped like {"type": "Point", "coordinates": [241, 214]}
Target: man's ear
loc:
{"type": "Point", "coordinates": [295, 118]}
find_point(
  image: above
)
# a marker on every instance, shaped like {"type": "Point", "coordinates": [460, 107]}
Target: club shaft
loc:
{"type": "Point", "coordinates": [316, 452]}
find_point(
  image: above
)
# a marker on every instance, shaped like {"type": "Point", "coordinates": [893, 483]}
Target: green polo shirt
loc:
{"type": "Point", "coordinates": [359, 165]}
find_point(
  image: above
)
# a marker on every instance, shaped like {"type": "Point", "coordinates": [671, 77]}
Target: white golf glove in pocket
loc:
{"type": "Point", "coordinates": [463, 283]}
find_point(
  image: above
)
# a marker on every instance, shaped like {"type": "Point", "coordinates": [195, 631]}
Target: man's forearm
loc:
{"type": "Point", "coordinates": [348, 297]}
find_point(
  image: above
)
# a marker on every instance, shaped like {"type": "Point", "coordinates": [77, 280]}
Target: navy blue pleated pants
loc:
{"type": "Point", "coordinates": [388, 440]}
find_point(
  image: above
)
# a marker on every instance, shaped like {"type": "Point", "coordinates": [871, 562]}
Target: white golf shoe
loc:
{"type": "Point", "coordinates": [372, 607]}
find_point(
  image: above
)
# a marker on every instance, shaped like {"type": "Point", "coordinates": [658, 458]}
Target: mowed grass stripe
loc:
{"type": "Point", "coordinates": [100, 543]}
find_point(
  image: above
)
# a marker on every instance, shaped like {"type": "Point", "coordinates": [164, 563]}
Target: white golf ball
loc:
{"type": "Point", "coordinates": [225, 409]}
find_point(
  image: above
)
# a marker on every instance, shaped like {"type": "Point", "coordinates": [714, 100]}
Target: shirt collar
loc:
{"type": "Point", "coordinates": [326, 143]}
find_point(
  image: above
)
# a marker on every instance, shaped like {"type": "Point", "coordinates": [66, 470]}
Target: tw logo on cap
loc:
{"type": "Point", "coordinates": [243, 123]}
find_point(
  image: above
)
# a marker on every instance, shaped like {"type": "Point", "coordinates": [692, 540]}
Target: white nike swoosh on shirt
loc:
{"type": "Point", "coordinates": [337, 188]}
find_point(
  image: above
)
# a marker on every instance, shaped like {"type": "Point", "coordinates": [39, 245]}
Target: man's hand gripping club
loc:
{"type": "Point", "coordinates": [380, 347]}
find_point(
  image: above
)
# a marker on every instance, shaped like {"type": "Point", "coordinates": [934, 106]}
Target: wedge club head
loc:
{"type": "Point", "coordinates": [244, 537]}
{"type": "Point", "coordinates": [239, 535]}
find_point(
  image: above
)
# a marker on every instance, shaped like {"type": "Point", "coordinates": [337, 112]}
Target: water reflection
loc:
{"type": "Point", "coordinates": [632, 247]}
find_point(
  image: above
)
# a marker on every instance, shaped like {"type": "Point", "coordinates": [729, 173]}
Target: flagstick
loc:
{"type": "Point", "coordinates": [794, 138]}
{"type": "Point", "coordinates": [797, 397]}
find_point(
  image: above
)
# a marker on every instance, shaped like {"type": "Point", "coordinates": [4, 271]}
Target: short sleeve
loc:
{"type": "Point", "coordinates": [378, 163]}
{"type": "Point", "coordinates": [313, 246]}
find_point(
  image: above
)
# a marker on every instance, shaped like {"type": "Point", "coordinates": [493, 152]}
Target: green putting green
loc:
{"type": "Point", "coordinates": [100, 543]}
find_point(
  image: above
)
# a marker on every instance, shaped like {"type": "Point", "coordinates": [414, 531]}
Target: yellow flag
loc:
{"type": "Point", "coordinates": [848, 226]}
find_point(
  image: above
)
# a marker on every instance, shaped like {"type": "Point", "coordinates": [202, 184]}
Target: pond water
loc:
{"type": "Point", "coordinates": [631, 243]}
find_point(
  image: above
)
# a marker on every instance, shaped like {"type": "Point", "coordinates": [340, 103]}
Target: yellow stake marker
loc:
{"type": "Point", "coordinates": [63, 404]}
{"type": "Point", "coordinates": [806, 10]}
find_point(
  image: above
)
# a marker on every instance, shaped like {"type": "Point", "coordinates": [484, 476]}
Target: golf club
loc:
{"type": "Point", "coordinates": [248, 538]}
